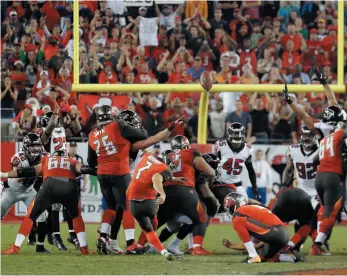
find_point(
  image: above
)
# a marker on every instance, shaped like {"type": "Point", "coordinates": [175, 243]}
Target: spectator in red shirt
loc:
{"type": "Point", "coordinates": [329, 44]}
{"type": "Point", "coordinates": [51, 12]}
{"type": "Point", "coordinates": [292, 36]}
{"type": "Point", "coordinates": [207, 56]}
{"type": "Point", "coordinates": [173, 113]}
{"type": "Point", "coordinates": [145, 75]}
{"type": "Point", "coordinates": [18, 75]}
{"type": "Point", "coordinates": [180, 75]}
{"type": "Point", "coordinates": [107, 75]}
{"type": "Point", "coordinates": [322, 31]}
{"type": "Point", "coordinates": [248, 55]}
{"type": "Point", "coordinates": [313, 53]}
{"type": "Point", "coordinates": [290, 58]}
{"type": "Point", "coordinates": [17, 7]}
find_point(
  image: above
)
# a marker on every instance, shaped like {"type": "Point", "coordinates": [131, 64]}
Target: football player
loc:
{"type": "Point", "coordinates": [59, 185]}
{"type": "Point", "coordinates": [257, 222]}
{"type": "Point", "coordinates": [329, 180]}
{"type": "Point", "coordinates": [53, 137]}
{"type": "Point", "coordinates": [22, 189]}
{"type": "Point", "coordinates": [146, 193]}
{"type": "Point", "coordinates": [234, 154]}
{"type": "Point", "coordinates": [182, 198]}
{"type": "Point", "coordinates": [303, 159]}
{"type": "Point", "coordinates": [136, 153]}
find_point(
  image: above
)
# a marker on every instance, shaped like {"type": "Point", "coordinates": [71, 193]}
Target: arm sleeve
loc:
{"type": "Point", "coordinates": [166, 175]}
{"type": "Point", "coordinates": [92, 157]}
{"type": "Point", "coordinates": [239, 224]}
{"type": "Point", "coordinates": [251, 172]}
{"type": "Point", "coordinates": [26, 172]}
{"type": "Point", "coordinates": [131, 133]}
{"type": "Point", "coordinates": [88, 170]}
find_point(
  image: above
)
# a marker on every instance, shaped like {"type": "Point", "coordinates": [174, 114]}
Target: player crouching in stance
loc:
{"type": "Point", "coordinates": [146, 184]}
{"type": "Point", "coordinates": [59, 186]}
{"type": "Point", "coordinates": [257, 222]}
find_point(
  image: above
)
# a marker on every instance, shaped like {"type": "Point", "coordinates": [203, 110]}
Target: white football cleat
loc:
{"type": "Point", "coordinates": [174, 249]}
{"type": "Point", "coordinates": [113, 247]}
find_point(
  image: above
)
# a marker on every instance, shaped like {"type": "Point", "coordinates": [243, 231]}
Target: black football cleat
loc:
{"type": "Point", "coordinates": [58, 242]}
{"type": "Point", "coordinates": [101, 245]}
{"type": "Point", "coordinates": [50, 238]}
{"type": "Point", "coordinates": [31, 241]}
{"type": "Point", "coordinates": [42, 249]}
{"type": "Point", "coordinates": [74, 241]}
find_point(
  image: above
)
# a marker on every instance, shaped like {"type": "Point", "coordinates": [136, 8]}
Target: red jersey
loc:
{"type": "Point", "coordinates": [141, 185]}
{"type": "Point", "coordinates": [330, 152]}
{"type": "Point", "coordinates": [206, 60]}
{"type": "Point", "coordinates": [111, 148]}
{"type": "Point", "coordinates": [295, 38]}
{"type": "Point", "coordinates": [185, 168]}
{"type": "Point", "coordinates": [260, 214]}
{"type": "Point", "coordinates": [144, 78]}
{"type": "Point", "coordinates": [249, 58]}
{"type": "Point", "coordinates": [58, 166]}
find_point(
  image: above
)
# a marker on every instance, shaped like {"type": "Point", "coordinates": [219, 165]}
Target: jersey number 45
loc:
{"type": "Point", "coordinates": [233, 166]}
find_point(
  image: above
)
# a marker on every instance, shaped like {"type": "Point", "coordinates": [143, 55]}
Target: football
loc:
{"type": "Point", "coordinates": [206, 80]}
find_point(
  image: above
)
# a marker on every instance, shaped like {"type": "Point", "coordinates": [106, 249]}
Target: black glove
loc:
{"type": "Point", "coordinates": [320, 76]}
{"type": "Point", "coordinates": [256, 193]}
{"type": "Point", "coordinates": [286, 95]}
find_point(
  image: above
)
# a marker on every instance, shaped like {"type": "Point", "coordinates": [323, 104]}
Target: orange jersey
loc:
{"type": "Point", "coordinates": [58, 166]}
{"type": "Point", "coordinates": [141, 185]}
{"type": "Point", "coordinates": [111, 148]}
{"type": "Point", "coordinates": [185, 168]}
{"type": "Point", "coordinates": [330, 152]}
{"type": "Point", "coordinates": [260, 214]}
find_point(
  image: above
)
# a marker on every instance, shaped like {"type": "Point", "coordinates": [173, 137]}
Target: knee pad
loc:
{"type": "Point", "coordinates": [42, 217]}
{"type": "Point", "coordinates": [56, 207]}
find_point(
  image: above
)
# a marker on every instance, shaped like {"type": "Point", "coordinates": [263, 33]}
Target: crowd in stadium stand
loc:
{"type": "Point", "coordinates": [246, 42]}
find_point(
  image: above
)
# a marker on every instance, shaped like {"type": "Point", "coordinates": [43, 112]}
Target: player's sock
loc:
{"type": "Point", "coordinates": [251, 249]}
{"type": "Point", "coordinates": [41, 232]}
{"type": "Point", "coordinates": [80, 230]}
{"type": "Point", "coordinates": [129, 227]}
{"type": "Point", "coordinates": [321, 237]}
{"type": "Point", "coordinates": [32, 234]}
{"type": "Point", "coordinates": [24, 231]}
{"type": "Point", "coordinates": [107, 220]}
{"type": "Point", "coordinates": [190, 240]}
{"type": "Point", "coordinates": [165, 234]}
{"type": "Point", "coordinates": [154, 241]}
{"type": "Point", "coordinates": [197, 241]}
{"type": "Point", "coordinates": [142, 239]}
{"type": "Point", "coordinates": [55, 223]}
{"type": "Point", "coordinates": [70, 225]}
{"type": "Point", "coordinates": [176, 242]}
{"type": "Point", "coordinates": [301, 234]}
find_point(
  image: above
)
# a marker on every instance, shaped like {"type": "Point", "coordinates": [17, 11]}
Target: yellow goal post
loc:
{"type": "Point", "coordinates": [204, 98]}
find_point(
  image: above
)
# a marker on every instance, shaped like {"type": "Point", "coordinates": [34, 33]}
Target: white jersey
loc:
{"type": "Point", "coordinates": [134, 162]}
{"type": "Point", "coordinates": [324, 128]}
{"type": "Point", "coordinates": [305, 169]}
{"type": "Point", "coordinates": [232, 162]}
{"type": "Point", "coordinates": [19, 160]}
{"type": "Point", "coordinates": [57, 140]}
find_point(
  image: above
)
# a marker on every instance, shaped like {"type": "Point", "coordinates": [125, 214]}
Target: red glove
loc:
{"type": "Point", "coordinates": [175, 123]}
{"type": "Point", "coordinates": [64, 106]}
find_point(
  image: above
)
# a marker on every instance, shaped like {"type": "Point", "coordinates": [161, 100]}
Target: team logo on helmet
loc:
{"type": "Point", "coordinates": [131, 118]}
{"type": "Point", "coordinates": [232, 202]}
{"type": "Point", "coordinates": [32, 146]}
{"type": "Point", "coordinates": [180, 142]}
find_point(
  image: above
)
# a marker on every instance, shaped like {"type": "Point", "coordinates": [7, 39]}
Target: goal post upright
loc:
{"type": "Point", "coordinates": [204, 99]}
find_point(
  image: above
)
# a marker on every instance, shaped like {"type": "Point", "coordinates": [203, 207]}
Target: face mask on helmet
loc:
{"type": "Point", "coordinates": [308, 140]}
{"type": "Point", "coordinates": [180, 142]}
{"type": "Point", "coordinates": [237, 138]}
{"type": "Point", "coordinates": [32, 146]}
{"type": "Point", "coordinates": [232, 202]}
{"type": "Point", "coordinates": [103, 114]}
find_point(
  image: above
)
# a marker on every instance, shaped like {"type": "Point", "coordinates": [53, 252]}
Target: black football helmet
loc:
{"type": "Point", "coordinates": [232, 202]}
{"type": "Point", "coordinates": [308, 139]}
{"type": "Point", "coordinates": [169, 158]}
{"type": "Point", "coordinates": [237, 134]}
{"type": "Point", "coordinates": [214, 162]}
{"type": "Point", "coordinates": [180, 142]}
{"type": "Point", "coordinates": [103, 114]}
{"type": "Point", "coordinates": [332, 115]}
{"type": "Point", "coordinates": [131, 118]}
{"type": "Point", "coordinates": [32, 146]}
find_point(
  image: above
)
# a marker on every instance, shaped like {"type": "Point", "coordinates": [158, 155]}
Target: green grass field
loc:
{"type": "Point", "coordinates": [224, 261]}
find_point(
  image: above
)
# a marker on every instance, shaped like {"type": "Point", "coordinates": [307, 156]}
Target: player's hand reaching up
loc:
{"type": "Point", "coordinates": [288, 98]}
{"type": "Point", "coordinates": [64, 106]}
{"type": "Point", "coordinates": [175, 123]}
{"type": "Point", "coordinates": [320, 76]}
{"type": "Point", "coordinates": [161, 198]}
